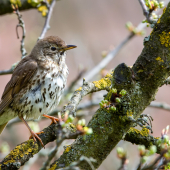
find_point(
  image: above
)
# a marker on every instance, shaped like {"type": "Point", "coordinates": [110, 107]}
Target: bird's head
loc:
{"type": "Point", "coordinates": [51, 47]}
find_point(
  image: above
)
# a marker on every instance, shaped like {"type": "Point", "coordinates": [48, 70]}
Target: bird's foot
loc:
{"type": "Point", "coordinates": [35, 135]}
{"type": "Point", "coordinates": [142, 121]}
{"type": "Point", "coordinates": [53, 119]}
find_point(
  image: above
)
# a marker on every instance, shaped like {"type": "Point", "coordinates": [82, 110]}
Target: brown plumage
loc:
{"type": "Point", "coordinates": [36, 84]}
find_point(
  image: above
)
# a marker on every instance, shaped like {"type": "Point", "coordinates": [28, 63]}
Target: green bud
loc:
{"type": "Point", "coordinates": [144, 159]}
{"type": "Point", "coordinates": [141, 148]}
{"type": "Point", "coordinates": [86, 129]}
{"type": "Point", "coordinates": [152, 149]}
{"type": "Point", "coordinates": [166, 139]}
{"type": "Point", "coordinates": [161, 4]}
{"type": "Point", "coordinates": [120, 150]}
{"type": "Point", "coordinates": [168, 143]}
{"type": "Point", "coordinates": [159, 141]}
{"type": "Point", "coordinates": [123, 92]}
{"type": "Point", "coordinates": [129, 25]}
{"type": "Point", "coordinates": [148, 25]}
{"type": "Point", "coordinates": [70, 119]}
{"type": "Point", "coordinates": [156, 4]}
{"type": "Point", "coordinates": [135, 31]}
{"type": "Point", "coordinates": [144, 21]}
{"type": "Point", "coordinates": [4, 147]}
{"type": "Point", "coordinates": [142, 33]}
{"type": "Point", "coordinates": [113, 108]}
{"type": "Point", "coordinates": [82, 122]}
{"type": "Point", "coordinates": [89, 131]}
{"type": "Point", "coordinates": [154, 16]}
{"type": "Point", "coordinates": [118, 100]}
{"type": "Point", "coordinates": [114, 91]}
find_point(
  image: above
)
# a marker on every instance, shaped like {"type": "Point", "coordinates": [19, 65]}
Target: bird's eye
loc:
{"type": "Point", "coordinates": [53, 48]}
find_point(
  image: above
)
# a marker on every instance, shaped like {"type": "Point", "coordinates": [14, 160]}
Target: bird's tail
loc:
{"type": "Point", "coordinates": [2, 127]}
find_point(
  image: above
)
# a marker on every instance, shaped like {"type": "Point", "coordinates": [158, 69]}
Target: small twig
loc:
{"type": "Point", "coordinates": [160, 105]}
{"type": "Point", "coordinates": [146, 12]}
{"type": "Point", "coordinates": [74, 165]}
{"type": "Point", "coordinates": [22, 25]}
{"type": "Point", "coordinates": [5, 72]}
{"type": "Point", "coordinates": [48, 17]}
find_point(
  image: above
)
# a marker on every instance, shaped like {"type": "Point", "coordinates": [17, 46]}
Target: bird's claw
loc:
{"type": "Point", "coordinates": [35, 135]}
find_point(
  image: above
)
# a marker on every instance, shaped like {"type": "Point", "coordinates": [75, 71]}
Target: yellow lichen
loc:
{"type": "Point", "coordinates": [165, 38]}
{"type": "Point", "coordinates": [129, 113]}
{"type": "Point", "coordinates": [16, 2]}
{"type": "Point", "coordinates": [159, 59]}
{"type": "Point", "coordinates": [53, 167]}
{"type": "Point", "coordinates": [161, 15]}
{"type": "Point", "coordinates": [22, 150]}
{"type": "Point", "coordinates": [79, 89]}
{"type": "Point", "coordinates": [104, 82]}
{"type": "Point", "coordinates": [143, 132]}
{"type": "Point", "coordinates": [67, 149]}
{"type": "Point", "coordinates": [139, 71]}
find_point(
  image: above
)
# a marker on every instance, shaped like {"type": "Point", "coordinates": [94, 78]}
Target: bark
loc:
{"type": "Point", "coordinates": [5, 6]}
{"type": "Point", "coordinates": [141, 82]}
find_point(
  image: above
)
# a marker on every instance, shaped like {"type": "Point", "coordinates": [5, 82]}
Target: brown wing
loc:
{"type": "Point", "coordinates": [20, 77]}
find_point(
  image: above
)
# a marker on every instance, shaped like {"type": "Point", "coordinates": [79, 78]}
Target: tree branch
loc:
{"type": "Point", "coordinates": [48, 17]}
{"type": "Point", "coordinates": [109, 127]}
{"type": "Point", "coordinates": [5, 6]}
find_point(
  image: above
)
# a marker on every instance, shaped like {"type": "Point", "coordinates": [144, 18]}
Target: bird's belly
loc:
{"type": "Point", "coordinates": [41, 99]}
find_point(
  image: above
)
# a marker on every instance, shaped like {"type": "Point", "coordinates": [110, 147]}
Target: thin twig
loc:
{"type": "Point", "coordinates": [22, 25]}
{"type": "Point", "coordinates": [74, 165]}
{"type": "Point", "coordinates": [48, 17]}
{"type": "Point", "coordinates": [147, 13]}
{"type": "Point", "coordinates": [160, 105]}
{"type": "Point", "coordinates": [5, 72]}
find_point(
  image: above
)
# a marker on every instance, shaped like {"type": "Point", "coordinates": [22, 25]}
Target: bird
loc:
{"type": "Point", "coordinates": [36, 84]}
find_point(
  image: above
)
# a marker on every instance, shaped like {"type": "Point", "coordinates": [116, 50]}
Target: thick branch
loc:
{"type": "Point", "coordinates": [141, 83]}
{"type": "Point", "coordinates": [5, 6]}
{"type": "Point", "coordinates": [23, 152]}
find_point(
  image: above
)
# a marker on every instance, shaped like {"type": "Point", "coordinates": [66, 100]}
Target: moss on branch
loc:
{"type": "Point", "coordinates": [141, 138]}
{"type": "Point", "coordinates": [23, 152]}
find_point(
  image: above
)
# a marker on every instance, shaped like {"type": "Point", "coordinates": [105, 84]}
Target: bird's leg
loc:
{"type": "Point", "coordinates": [53, 119]}
{"type": "Point", "coordinates": [33, 134]}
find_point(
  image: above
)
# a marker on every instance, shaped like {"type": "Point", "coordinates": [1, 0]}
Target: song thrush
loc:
{"type": "Point", "coordinates": [37, 83]}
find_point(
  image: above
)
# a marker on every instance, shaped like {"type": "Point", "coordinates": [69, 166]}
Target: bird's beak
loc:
{"type": "Point", "coordinates": [69, 47]}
